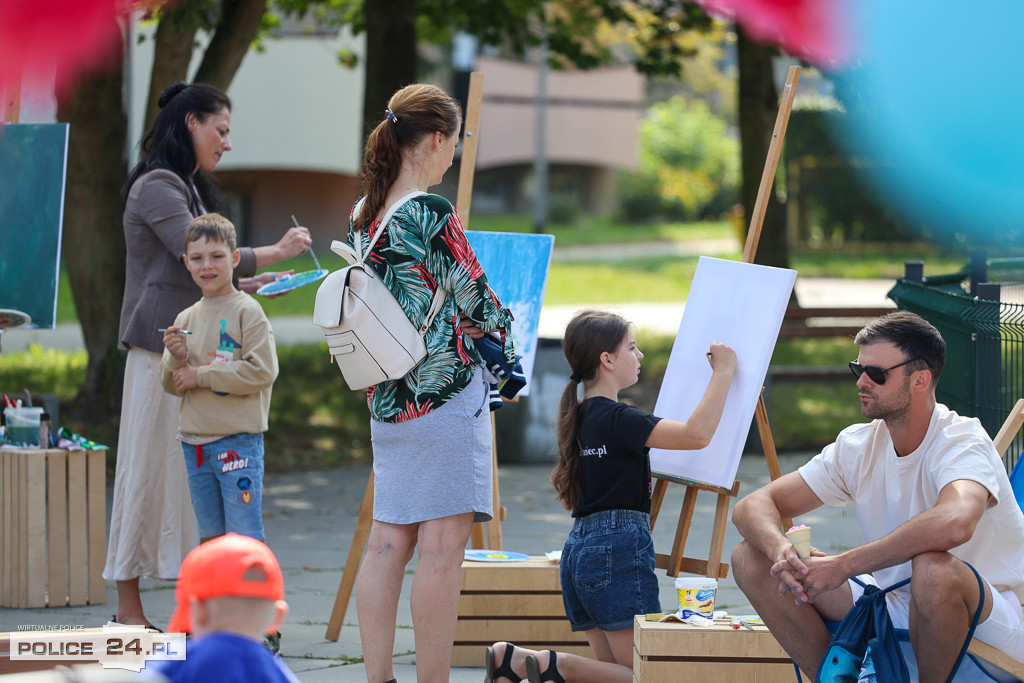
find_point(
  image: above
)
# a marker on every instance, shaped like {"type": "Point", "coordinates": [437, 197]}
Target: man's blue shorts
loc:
{"type": "Point", "coordinates": [225, 478]}
{"type": "Point", "coordinates": [607, 571]}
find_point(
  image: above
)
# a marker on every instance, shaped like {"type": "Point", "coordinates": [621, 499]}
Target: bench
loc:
{"type": "Point", "coordinates": [819, 322]}
{"type": "Point", "coordinates": [802, 322]}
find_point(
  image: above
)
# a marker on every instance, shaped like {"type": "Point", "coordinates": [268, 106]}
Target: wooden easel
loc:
{"type": "Point", "coordinates": [12, 101]}
{"type": "Point", "coordinates": [713, 567]}
{"type": "Point", "coordinates": [484, 534]}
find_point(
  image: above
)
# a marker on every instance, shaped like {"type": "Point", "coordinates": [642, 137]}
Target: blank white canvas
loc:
{"type": "Point", "coordinates": [739, 304]}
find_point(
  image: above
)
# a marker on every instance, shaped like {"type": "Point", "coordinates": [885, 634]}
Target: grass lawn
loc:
{"type": "Point", "coordinates": [655, 278]}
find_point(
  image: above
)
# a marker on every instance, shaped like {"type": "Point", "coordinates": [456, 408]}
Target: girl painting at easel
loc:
{"type": "Point", "coordinates": [604, 476]}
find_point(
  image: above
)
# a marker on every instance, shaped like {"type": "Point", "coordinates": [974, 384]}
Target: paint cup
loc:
{"type": "Point", "coordinates": [23, 424]}
{"type": "Point", "coordinates": [696, 595]}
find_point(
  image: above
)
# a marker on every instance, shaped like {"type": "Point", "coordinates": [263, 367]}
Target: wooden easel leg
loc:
{"type": "Point", "coordinates": [768, 445]}
{"type": "Point", "coordinates": [494, 526]}
{"type": "Point", "coordinates": [355, 555]}
{"type": "Point", "coordinates": [492, 529]}
{"type": "Point", "coordinates": [682, 531]}
{"type": "Point", "coordinates": [718, 536]}
{"type": "Point", "coordinates": [657, 498]}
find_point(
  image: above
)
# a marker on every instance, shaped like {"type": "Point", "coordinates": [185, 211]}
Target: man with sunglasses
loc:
{"type": "Point", "coordinates": [931, 494]}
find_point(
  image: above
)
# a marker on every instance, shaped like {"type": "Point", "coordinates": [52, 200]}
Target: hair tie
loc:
{"type": "Point", "coordinates": [575, 378]}
{"type": "Point", "coordinates": [391, 116]}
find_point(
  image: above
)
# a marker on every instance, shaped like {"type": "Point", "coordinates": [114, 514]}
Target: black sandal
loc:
{"type": "Point", "coordinates": [534, 675]}
{"type": "Point", "coordinates": [505, 669]}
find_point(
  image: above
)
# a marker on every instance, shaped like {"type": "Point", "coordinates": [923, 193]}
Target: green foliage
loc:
{"type": "Point", "coordinates": [687, 153]}
{"type": "Point", "coordinates": [640, 196]}
{"type": "Point", "coordinates": [43, 371]}
{"type": "Point", "coordinates": [563, 208]}
{"type": "Point", "coordinates": [834, 205]}
{"type": "Point", "coordinates": [314, 419]}
{"type": "Point", "coordinates": [584, 34]}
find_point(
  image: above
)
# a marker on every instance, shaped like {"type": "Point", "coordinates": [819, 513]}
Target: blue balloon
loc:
{"type": "Point", "coordinates": [939, 112]}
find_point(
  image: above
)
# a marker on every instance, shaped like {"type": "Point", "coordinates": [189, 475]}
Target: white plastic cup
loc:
{"type": "Point", "coordinates": [696, 595]}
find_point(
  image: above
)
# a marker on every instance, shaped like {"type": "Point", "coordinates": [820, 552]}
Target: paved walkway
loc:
{"type": "Point", "coordinates": [310, 519]}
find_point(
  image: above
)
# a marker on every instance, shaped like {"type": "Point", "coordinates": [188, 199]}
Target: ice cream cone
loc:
{"type": "Point", "coordinates": [800, 537]}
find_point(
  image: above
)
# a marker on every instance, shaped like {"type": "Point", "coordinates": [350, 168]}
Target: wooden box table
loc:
{"type": "Point", "coordinates": [52, 527]}
{"type": "Point", "coordinates": [671, 651]}
{"type": "Point", "coordinates": [516, 601]}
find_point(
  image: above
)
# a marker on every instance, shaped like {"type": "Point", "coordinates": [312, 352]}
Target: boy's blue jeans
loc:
{"type": "Point", "coordinates": [225, 478]}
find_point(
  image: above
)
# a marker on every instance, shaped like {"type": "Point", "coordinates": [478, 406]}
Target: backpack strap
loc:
{"type": "Point", "coordinates": [356, 255]}
{"type": "Point", "coordinates": [974, 622]}
{"type": "Point", "coordinates": [898, 584]}
{"type": "Point", "coordinates": [383, 222]}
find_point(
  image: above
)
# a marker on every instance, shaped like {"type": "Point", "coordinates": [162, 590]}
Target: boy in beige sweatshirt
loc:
{"type": "Point", "coordinates": [220, 357]}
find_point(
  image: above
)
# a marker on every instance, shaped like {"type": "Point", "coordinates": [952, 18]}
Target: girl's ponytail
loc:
{"type": "Point", "coordinates": [587, 336]}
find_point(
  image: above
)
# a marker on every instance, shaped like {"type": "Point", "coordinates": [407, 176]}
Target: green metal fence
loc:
{"type": "Point", "coordinates": [984, 333]}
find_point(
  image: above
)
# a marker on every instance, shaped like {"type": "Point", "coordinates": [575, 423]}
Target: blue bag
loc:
{"type": "Point", "coordinates": [865, 648]}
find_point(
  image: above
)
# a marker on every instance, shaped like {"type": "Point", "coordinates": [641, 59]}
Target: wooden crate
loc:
{"type": "Point", "coordinates": [519, 602]}
{"type": "Point", "coordinates": [52, 527]}
{"type": "Point", "coordinates": [665, 651]}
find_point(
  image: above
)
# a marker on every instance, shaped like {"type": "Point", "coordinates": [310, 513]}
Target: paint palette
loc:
{"type": "Point", "coordinates": [495, 556]}
{"type": "Point", "coordinates": [11, 319]}
{"type": "Point", "coordinates": [290, 282]}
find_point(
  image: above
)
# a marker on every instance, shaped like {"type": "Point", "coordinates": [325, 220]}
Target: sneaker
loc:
{"type": "Point", "coordinates": [273, 642]}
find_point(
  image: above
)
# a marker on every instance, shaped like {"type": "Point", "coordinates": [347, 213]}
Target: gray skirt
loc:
{"type": "Point", "coordinates": [436, 465]}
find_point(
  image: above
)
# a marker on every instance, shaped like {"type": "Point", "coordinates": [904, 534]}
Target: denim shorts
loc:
{"type": "Point", "coordinates": [225, 478]}
{"type": "Point", "coordinates": [607, 571]}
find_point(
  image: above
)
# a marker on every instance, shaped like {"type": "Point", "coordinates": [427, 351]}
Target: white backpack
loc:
{"type": "Point", "coordinates": [368, 333]}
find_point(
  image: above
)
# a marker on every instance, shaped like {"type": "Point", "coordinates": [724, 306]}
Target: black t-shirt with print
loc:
{"type": "Point", "coordinates": [616, 471]}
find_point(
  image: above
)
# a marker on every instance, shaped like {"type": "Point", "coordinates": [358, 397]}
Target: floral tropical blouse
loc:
{"type": "Point", "coordinates": [423, 247]}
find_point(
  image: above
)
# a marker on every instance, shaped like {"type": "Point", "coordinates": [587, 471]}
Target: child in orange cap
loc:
{"type": "Point", "coordinates": [230, 594]}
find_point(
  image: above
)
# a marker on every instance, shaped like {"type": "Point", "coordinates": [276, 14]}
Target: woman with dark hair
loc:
{"type": "Point", "coordinates": [431, 429]}
{"type": "Point", "coordinates": [152, 525]}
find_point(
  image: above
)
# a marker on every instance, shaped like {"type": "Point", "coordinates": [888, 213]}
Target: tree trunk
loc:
{"type": "Point", "coordinates": [390, 55]}
{"type": "Point", "coordinates": [758, 109]}
{"type": "Point", "coordinates": [236, 29]}
{"type": "Point", "coordinates": [93, 241]}
{"type": "Point", "coordinates": [172, 53]}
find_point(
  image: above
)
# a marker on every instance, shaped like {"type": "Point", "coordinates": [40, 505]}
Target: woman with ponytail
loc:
{"type": "Point", "coordinates": [152, 524]}
{"type": "Point", "coordinates": [431, 430]}
{"type": "Point", "coordinates": [603, 476]}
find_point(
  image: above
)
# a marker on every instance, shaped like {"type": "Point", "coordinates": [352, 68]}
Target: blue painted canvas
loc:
{"type": "Point", "coordinates": [517, 270]}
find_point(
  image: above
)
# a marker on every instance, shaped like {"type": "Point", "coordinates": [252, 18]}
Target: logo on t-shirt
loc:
{"type": "Point", "coordinates": [599, 451]}
{"type": "Point", "coordinates": [226, 347]}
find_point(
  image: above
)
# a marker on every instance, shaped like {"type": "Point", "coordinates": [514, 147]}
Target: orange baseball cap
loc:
{"type": "Point", "coordinates": [231, 565]}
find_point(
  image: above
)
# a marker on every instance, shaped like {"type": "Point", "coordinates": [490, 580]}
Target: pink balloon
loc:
{"type": "Point", "coordinates": [73, 36]}
{"type": "Point", "coordinates": [812, 29]}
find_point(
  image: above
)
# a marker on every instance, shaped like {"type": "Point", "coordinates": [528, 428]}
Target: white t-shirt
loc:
{"type": "Point", "coordinates": [862, 467]}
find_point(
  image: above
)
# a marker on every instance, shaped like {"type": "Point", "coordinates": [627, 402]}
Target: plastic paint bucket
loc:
{"type": "Point", "coordinates": [696, 595]}
{"type": "Point", "coordinates": [23, 424]}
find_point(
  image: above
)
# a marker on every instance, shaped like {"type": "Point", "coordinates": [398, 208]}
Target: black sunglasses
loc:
{"type": "Point", "coordinates": [875, 373]}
